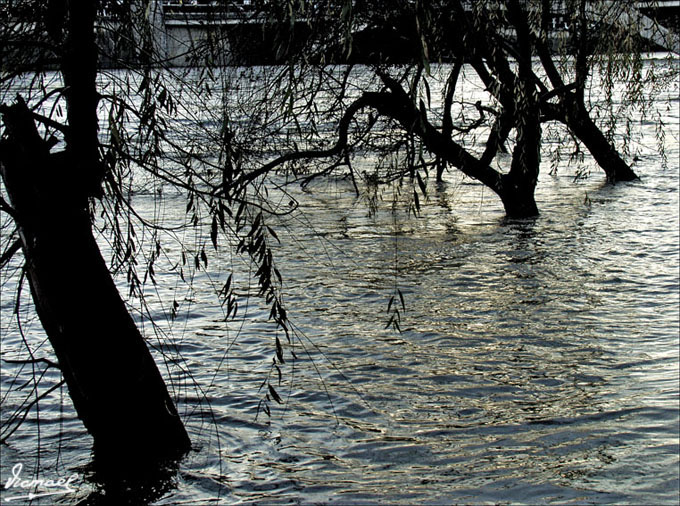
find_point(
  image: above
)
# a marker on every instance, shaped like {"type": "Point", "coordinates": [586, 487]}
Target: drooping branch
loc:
{"type": "Point", "coordinates": [337, 149]}
{"type": "Point", "coordinates": [398, 106]}
{"type": "Point", "coordinates": [447, 123]}
{"type": "Point", "coordinates": [21, 417]}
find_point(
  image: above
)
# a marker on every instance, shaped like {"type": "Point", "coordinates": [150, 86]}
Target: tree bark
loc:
{"type": "Point", "coordinates": [519, 185]}
{"type": "Point", "coordinates": [607, 157]}
{"type": "Point", "coordinates": [517, 195]}
{"type": "Point", "coordinates": [112, 378]}
{"type": "Point", "coordinates": [79, 69]}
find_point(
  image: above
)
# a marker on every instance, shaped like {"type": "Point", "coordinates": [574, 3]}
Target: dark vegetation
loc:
{"type": "Point", "coordinates": [70, 151]}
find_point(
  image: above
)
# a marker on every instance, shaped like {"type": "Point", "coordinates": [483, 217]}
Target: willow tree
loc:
{"type": "Point", "coordinates": [92, 115]}
{"type": "Point", "coordinates": [52, 169]}
{"type": "Point", "coordinates": [102, 116]}
{"type": "Point", "coordinates": [536, 60]}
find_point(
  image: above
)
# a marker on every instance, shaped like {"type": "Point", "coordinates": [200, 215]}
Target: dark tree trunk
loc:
{"type": "Point", "coordinates": [517, 195]}
{"type": "Point", "coordinates": [607, 157]}
{"type": "Point", "coordinates": [79, 69]}
{"type": "Point", "coordinates": [112, 378]}
{"type": "Point", "coordinates": [518, 186]}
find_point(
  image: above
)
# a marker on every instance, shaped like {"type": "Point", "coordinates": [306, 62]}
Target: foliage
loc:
{"type": "Point", "coordinates": [230, 140]}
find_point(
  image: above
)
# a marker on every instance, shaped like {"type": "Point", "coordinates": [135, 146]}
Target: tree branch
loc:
{"type": "Point", "coordinates": [7, 208]}
{"type": "Point", "coordinates": [397, 105]}
{"type": "Point", "coordinates": [40, 360]}
{"type": "Point", "coordinates": [28, 408]}
{"type": "Point", "coordinates": [558, 91]}
{"type": "Point", "coordinates": [340, 145]}
{"type": "Point", "coordinates": [10, 252]}
{"type": "Point", "coordinates": [447, 124]}
{"type": "Point", "coordinates": [51, 123]}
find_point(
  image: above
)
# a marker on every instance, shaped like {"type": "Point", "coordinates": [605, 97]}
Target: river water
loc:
{"type": "Point", "coordinates": [537, 360]}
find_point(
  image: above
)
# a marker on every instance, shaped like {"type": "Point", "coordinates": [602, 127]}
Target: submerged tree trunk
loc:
{"type": "Point", "coordinates": [517, 195]}
{"type": "Point", "coordinates": [112, 378]}
{"type": "Point", "coordinates": [607, 157]}
{"type": "Point", "coordinates": [519, 185]}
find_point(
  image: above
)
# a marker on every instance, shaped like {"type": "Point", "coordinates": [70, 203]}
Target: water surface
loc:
{"type": "Point", "coordinates": [537, 360]}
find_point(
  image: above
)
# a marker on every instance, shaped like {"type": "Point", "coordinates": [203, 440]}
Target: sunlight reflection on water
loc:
{"type": "Point", "coordinates": [538, 360]}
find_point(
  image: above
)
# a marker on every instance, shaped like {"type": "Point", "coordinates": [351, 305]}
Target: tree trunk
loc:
{"type": "Point", "coordinates": [112, 378]}
{"type": "Point", "coordinates": [79, 70]}
{"type": "Point", "coordinates": [607, 157]}
{"type": "Point", "coordinates": [519, 185]}
{"type": "Point", "coordinates": [517, 195]}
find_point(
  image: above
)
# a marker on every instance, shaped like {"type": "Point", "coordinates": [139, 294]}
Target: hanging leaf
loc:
{"type": "Point", "coordinates": [396, 326]}
{"type": "Point", "coordinates": [275, 395]}
{"type": "Point", "coordinates": [278, 275]}
{"type": "Point", "coordinates": [213, 232]}
{"type": "Point", "coordinates": [421, 184]}
{"type": "Point", "coordinates": [279, 351]}
{"type": "Point", "coordinates": [427, 92]}
{"type": "Point", "coordinates": [225, 289]}
{"type": "Point", "coordinates": [239, 212]}
{"type": "Point", "coordinates": [273, 234]}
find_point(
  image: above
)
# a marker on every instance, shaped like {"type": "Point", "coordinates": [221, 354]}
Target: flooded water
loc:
{"type": "Point", "coordinates": [537, 360]}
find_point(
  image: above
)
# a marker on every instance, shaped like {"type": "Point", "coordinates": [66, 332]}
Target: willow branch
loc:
{"type": "Point", "coordinates": [9, 253]}
{"type": "Point", "coordinates": [337, 149]}
{"type": "Point", "coordinates": [28, 408]}
{"type": "Point", "coordinates": [447, 126]}
{"type": "Point", "coordinates": [40, 360]}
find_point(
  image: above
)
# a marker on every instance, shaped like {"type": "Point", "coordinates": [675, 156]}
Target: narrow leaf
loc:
{"type": "Point", "coordinates": [427, 92]}
{"type": "Point", "coordinates": [273, 234]}
{"type": "Point", "coordinates": [279, 351]}
{"type": "Point", "coordinates": [275, 395]}
{"type": "Point", "coordinates": [213, 232]}
{"type": "Point", "coordinates": [421, 184]}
